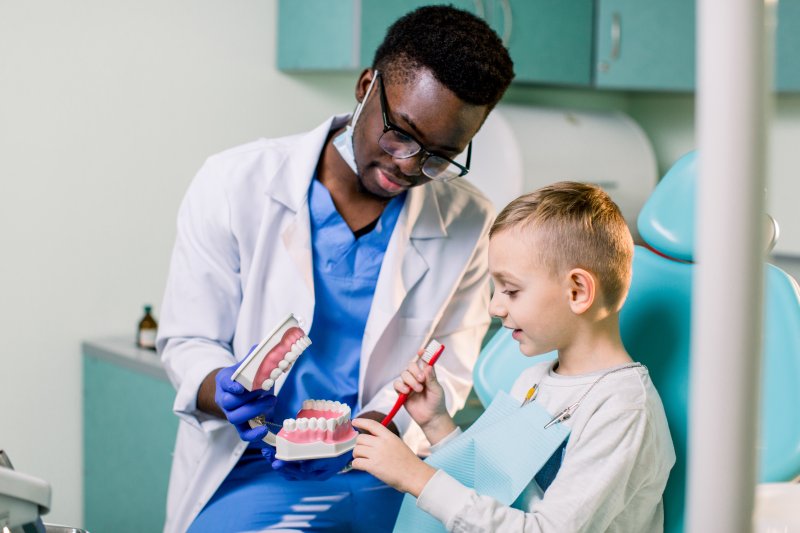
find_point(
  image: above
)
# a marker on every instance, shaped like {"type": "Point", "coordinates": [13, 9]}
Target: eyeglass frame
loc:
{"type": "Point", "coordinates": [427, 154]}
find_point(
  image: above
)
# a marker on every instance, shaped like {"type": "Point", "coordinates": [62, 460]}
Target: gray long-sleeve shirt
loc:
{"type": "Point", "coordinates": [614, 471]}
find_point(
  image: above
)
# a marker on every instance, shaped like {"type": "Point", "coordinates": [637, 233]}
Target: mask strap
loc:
{"type": "Point", "coordinates": [360, 106]}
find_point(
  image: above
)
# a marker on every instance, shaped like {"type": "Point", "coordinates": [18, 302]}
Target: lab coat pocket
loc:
{"type": "Point", "coordinates": [185, 466]}
{"type": "Point", "coordinates": [196, 443]}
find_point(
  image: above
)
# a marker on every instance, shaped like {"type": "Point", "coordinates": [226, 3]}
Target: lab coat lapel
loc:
{"type": "Point", "coordinates": [290, 188]}
{"type": "Point", "coordinates": [404, 264]}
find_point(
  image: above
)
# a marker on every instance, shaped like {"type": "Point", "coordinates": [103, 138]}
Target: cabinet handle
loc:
{"type": "Point", "coordinates": [508, 21]}
{"type": "Point", "coordinates": [616, 32]}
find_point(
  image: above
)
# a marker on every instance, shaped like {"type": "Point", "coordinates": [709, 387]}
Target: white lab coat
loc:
{"type": "Point", "coordinates": [242, 262]}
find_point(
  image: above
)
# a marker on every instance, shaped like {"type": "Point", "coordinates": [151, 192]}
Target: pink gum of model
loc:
{"type": "Point", "coordinates": [276, 355]}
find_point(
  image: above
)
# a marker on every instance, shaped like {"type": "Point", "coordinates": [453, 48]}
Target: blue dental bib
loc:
{"type": "Point", "coordinates": [498, 456]}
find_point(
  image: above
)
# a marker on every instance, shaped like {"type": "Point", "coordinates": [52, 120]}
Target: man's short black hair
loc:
{"type": "Point", "coordinates": [460, 49]}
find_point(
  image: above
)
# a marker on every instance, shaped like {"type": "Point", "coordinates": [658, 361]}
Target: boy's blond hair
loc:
{"type": "Point", "coordinates": [577, 226]}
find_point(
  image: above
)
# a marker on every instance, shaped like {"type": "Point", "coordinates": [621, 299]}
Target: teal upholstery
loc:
{"type": "Point", "coordinates": [666, 222]}
{"type": "Point", "coordinates": [655, 325]}
{"type": "Point", "coordinates": [780, 425]}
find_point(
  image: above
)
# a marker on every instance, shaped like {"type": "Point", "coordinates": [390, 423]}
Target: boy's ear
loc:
{"type": "Point", "coordinates": [582, 290]}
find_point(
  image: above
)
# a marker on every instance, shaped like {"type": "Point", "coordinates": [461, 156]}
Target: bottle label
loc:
{"type": "Point", "coordinates": [147, 338]}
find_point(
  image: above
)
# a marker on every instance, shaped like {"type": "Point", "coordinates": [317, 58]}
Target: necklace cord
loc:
{"type": "Point", "coordinates": [566, 414]}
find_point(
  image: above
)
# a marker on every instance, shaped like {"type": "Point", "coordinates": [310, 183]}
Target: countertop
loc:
{"type": "Point", "coordinates": [123, 351]}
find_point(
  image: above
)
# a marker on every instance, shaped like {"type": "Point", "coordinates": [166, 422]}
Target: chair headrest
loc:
{"type": "Point", "coordinates": [666, 222]}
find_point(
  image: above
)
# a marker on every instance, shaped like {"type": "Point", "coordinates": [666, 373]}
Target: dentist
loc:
{"type": "Point", "coordinates": [366, 229]}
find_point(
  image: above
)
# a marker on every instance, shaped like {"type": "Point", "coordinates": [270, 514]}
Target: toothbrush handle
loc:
{"type": "Point", "coordinates": [401, 399]}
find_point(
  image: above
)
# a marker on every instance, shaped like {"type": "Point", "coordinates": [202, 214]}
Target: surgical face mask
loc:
{"type": "Point", "coordinates": [344, 141]}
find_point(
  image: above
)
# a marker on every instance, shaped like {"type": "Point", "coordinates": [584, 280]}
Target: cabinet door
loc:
{"type": "Point", "coordinates": [787, 44]}
{"type": "Point", "coordinates": [550, 41]}
{"type": "Point", "coordinates": [128, 438]}
{"type": "Point", "coordinates": [339, 34]}
{"type": "Point", "coordinates": [377, 15]}
{"type": "Point", "coordinates": [318, 34]}
{"type": "Point", "coordinates": [645, 44]}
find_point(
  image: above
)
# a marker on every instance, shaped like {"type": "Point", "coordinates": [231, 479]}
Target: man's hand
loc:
{"type": "Point", "coordinates": [381, 453]}
{"type": "Point", "coordinates": [316, 469]}
{"type": "Point", "coordinates": [240, 405]}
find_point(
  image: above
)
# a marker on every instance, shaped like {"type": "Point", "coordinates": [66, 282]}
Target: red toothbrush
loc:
{"type": "Point", "coordinates": [432, 352]}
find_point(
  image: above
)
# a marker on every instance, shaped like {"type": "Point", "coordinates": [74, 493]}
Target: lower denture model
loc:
{"type": "Point", "coordinates": [322, 427]}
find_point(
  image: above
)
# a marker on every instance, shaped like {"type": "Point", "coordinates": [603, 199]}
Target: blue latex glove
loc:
{"type": "Point", "coordinates": [240, 405]}
{"type": "Point", "coordinates": [316, 469]}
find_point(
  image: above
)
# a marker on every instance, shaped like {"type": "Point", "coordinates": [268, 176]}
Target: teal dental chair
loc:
{"type": "Point", "coordinates": [655, 323]}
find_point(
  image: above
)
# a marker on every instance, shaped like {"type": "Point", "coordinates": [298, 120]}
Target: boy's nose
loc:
{"type": "Point", "coordinates": [495, 309]}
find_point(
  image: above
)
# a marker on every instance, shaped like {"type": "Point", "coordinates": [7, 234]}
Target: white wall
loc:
{"type": "Point", "coordinates": [107, 109]}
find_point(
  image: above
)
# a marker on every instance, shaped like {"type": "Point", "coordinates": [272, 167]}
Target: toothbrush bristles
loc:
{"type": "Point", "coordinates": [433, 349]}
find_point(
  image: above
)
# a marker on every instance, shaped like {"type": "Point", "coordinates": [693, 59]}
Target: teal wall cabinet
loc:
{"type": "Point", "coordinates": [787, 46]}
{"type": "Point", "coordinates": [650, 45]}
{"type": "Point", "coordinates": [319, 35]}
{"type": "Point", "coordinates": [378, 15]}
{"type": "Point", "coordinates": [129, 435]}
{"type": "Point", "coordinates": [645, 44]}
{"type": "Point", "coordinates": [550, 41]}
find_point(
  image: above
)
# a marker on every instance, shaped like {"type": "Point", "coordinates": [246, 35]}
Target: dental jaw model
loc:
{"type": "Point", "coordinates": [322, 427]}
{"type": "Point", "coordinates": [273, 356]}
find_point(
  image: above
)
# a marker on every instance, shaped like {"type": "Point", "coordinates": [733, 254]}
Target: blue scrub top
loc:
{"type": "Point", "coordinates": [346, 271]}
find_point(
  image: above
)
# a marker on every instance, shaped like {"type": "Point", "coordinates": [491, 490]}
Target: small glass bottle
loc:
{"type": "Point", "coordinates": [146, 334]}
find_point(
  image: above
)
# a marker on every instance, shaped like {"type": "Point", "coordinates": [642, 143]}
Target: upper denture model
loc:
{"type": "Point", "coordinates": [279, 359]}
{"type": "Point", "coordinates": [273, 356]}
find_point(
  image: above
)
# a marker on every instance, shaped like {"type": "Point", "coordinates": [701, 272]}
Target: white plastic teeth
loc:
{"type": "Point", "coordinates": [285, 364]}
{"type": "Point", "coordinates": [297, 348]}
{"type": "Point", "coordinates": [320, 423]}
{"type": "Point", "coordinates": [327, 405]}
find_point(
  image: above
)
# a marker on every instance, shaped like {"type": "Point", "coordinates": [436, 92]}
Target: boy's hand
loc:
{"type": "Point", "coordinates": [425, 403]}
{"type": "Point", "coordinates": [381, 453]}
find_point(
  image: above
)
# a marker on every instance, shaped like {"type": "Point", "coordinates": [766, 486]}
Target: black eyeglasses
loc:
{"type": "Point", "coordinates": [402, 145]}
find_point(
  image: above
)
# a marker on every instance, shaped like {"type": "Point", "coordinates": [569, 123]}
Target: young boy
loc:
{"type": "Point", "coordinates": [560, 259]}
